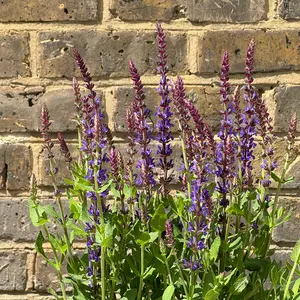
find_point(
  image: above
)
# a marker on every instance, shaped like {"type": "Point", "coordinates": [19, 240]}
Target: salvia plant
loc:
{"type": "Point", "coordinates": [210, 238]}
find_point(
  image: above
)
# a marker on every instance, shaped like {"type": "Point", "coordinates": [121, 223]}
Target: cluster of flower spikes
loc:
{"type": "Point", "coordinates": [94, 134]}
{"type": "Point", "coordinates": [226, 147]}
{"type": "Point", "coordinates": [199, 142]}
{"type": "Point", "coordinates": [164, 114]}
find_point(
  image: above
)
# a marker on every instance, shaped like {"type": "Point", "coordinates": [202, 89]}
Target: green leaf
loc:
{"type": "Point", "coordinates": [39, 248]}
{"type": "Point", "coordinates": [290, 179]}
{"type": "Point", "coordinates": [130, 295]}
{"type": "Point", "coordinates": [168, 293]}
{"type": "Point", "coordinates": [255, 264]}
{"type": "Point", "coordinates": [68, 181]}
{"type": "Point", "coordinates": [37, 214]}
{"type": "Point", "coordinates": [129, 259]}
{"type": "Point", "coordinates": [274, 275]}
{"type": "Point", "coordinates": [236, 244]}
{"type": "Point", "coordinates": [296, 252]}
{"type": "Point", "coordinates": [276, 178]}
{"type": "Point", "coordinates": [143, 238]}
{"type": "Point", "coordinates": [228, 277]}
{"type": "Point", "coordinates": [53, 293]}
{"type": "Point", "coordinates": [148, 272]}
{"type": "Point", "coordinates": [214, 249]}
{"type": "Point", "coordinates": [239, 285]}
{"type": "Point", "coordinates": [159, 219]}
{"type": "Point", "coordinates": [83, 185]}
{"type": "Point", "coordinates": [296, 286]}
{"type": "Point", "coordinates": [50, 210]}
{"type": "Point", "coordinates": [154, 236]}
{"type": "Point", "coordinates": [211, 295]}
{"type": "Point", "coordinates": [235, 210]}
{"type": "Point", "coordinates": [105, 186]}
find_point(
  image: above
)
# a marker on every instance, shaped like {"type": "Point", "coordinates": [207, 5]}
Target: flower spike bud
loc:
{"type": "Point", "coordinates": [292, 129]}
{"type": "Point", "coordinates": [250, 62]}
{"type": "Point", "coordinates": [64, 148]}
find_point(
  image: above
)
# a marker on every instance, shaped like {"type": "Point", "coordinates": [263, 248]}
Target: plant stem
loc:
{"type": "Point", "coordinates": [182, 277]}
{"type": "Point", "coordinates": [139, 297]}
{"type": "Point", "coordinates": [62, 214]}
{"type": "Point", "coordinates": [279, 185]}
{"type": "Point", "coordinates": [57, 262]}
{"type": "Point", "coordinates": [59, 274]}
{"type": "Point", "coordinates": [290, 277]}
{"type": "Point", "coordinates": [168, 269]}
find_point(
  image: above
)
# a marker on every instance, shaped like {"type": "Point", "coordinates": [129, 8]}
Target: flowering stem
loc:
{"type": "Point", "coordinates": [62, 215]}
{"type": "Point", "coordinates": [188, 189]}
{"type": "Point", "coordinates": [168, 269]}
{"type": "Point", "coordinates": [139, 297]}
{"type": "Point", "coordinates": [186, 164]}
{"type": "Point", "coordinates": [182, 277]}
{"type": "Point", "coordinates": [102, 224]}
{"type": "Point", "coordinates": [59, 274]}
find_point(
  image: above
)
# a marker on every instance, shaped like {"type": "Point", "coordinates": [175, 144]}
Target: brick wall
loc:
{"type": "Point", "coordinates": [36, 66]}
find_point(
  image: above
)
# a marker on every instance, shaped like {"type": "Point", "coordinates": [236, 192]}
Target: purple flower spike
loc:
{"type": "Point", "coordinates": [170, 242]}
{"type": "Point", "coordinates": [292, 129]}
{"type": "Point", "coordinates": [143, 132]}
{"type": "Point", "coordinates": [164, 114]}
{"type": "Point", "coordinates": [45, 124]}
{"type": "Point", "coordinates": [250, 63]}
{"type": "Point", "coordinates": [77, 97]}
{"type": "Point", "coordinates": [181, 110]}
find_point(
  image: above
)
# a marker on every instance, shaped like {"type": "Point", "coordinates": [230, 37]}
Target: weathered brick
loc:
{"type": "Point", "coordinates": [205, 98]}
{"type": "Point", "coordinates": [63, 171]}
{"type": "Point", "coordinates": [19, 109]}
{"type": "Point", "coordinates": [28, 296]}
{"type": "Point", "coordinates": [283, 101]}
{"type": "Point", "coordinates": [15, 222]}
{"type": "Point", "coordinates": [46, 276]}
{"type": "Point", "coordinates": [234, 11]}
{"type": "Point", "coordinates": [289, 231]}
{"type": "Point", "coordinates": [52, 10]}
{"type": "Point", "coordinates": [61, 109]}
{"type": "Point", "coordinates": [14, 53]}
{"type": "Point", "coordinates": [146, 10]}
{"type": "Point", "coordinates": [289, 10]}
{"type": "Point", "coordinates": [15, 166]}
{"type": "Point", "coordinates": [106, 53]}
{"type": "Point", "coordinates": [275, 50]}
{"type": "Point", "coordinates": [282, 256]}
{"type": "Point", "coordinates": [12, 270]}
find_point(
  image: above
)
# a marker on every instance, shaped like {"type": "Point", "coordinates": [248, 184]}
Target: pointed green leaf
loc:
{"type": "Point", "coordinates": [214, 249]}
{"type": "Point", "coordinates": [159, 219]}
{"type": "Point", "coordinates": [211, 295]}
{"type": "Point", "coordinates": [130, 295]}
{"type": "Point", "coordinates": [295, 255]}
{"type": "Point", "coordinates": [143, 238]}
{"type": "Point", "coordinates": [168, 293]}
{"type": "Point", "coordinates": [239, 285]}
{"type": "Point", "coordinates": [276, 178]}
